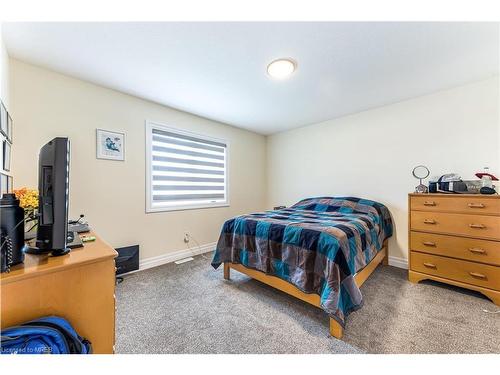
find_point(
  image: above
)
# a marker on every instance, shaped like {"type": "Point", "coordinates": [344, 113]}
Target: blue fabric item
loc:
{"type": "Point", "coordinates": [318, 245]}
{"type": "Point", "coordinates": [48, 335]}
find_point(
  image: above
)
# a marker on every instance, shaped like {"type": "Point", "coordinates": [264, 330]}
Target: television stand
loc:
{"type": "Point", "coordinates": [37, 251]}
{"type": "Point", "coordinates": [33, 250]}
{"type": "Point", "coordinates": [74, 242]}
{"type": "Point", "coordinates": [79, 287]}
{"type": "Point", "coordinates": [59, 252]}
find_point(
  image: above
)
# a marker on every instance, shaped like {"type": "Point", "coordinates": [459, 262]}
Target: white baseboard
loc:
{"type": "Point", "coordinates": [398, 262]}
{"type": "Point", "coordinates": [144, 264]}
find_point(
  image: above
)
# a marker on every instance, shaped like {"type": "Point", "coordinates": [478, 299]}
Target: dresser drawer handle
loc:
{"type": "Point", "coordinates": [428, 243]}
{"type": "Point", "coordinates": [430, 265]}
{"type": "Point", "coordinates": [429, 221]}
{"type": "Point", "coordinates": [477, 226]}
{"type": "Point", "coordinates": [477, 275]}
{"type": "Point", "coordinates": [429, 203]}
{"type": "Point", "coordinates": [476, 205]}
{"type": "Point", "coordinates": [477, 251]}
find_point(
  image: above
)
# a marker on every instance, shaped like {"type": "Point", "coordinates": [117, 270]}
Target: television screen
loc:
{"type": "Point", "coordinates": [53, 187]}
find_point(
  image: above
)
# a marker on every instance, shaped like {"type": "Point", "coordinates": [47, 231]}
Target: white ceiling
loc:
{"type": "Point", "coordinates": [218, 70]}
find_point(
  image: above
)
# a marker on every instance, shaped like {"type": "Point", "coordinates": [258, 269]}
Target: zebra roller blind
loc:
{"type": "Point", "coordinates": [185, 170]}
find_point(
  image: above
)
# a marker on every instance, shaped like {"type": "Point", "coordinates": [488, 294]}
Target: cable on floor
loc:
{"type": "Point", "coordinates": [198, 245]}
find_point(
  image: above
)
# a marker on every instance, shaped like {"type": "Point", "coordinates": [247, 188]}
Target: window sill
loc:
{"type": "Point", "coordinates": [150, 210]}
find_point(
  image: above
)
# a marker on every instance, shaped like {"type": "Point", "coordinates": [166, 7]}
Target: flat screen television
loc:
{"type": "Point", "coordinates": [53, 205]}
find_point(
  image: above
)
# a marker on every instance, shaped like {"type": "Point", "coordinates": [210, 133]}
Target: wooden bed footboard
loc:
{"type": "Point", "coordinates": [336, 329]}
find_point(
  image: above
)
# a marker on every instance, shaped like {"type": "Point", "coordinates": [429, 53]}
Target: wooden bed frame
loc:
{"type": "Point", "coordinates": [336, 329]}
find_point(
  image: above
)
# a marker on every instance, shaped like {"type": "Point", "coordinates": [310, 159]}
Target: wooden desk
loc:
{"type": "Point", "coordinates": [79, 286]}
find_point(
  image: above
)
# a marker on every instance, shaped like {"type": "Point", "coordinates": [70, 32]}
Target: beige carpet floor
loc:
{"type": "Point", "coordinates": [190, 308]}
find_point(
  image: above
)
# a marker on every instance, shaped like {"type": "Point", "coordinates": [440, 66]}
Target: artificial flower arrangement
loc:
{"type": "Point", "coordinates": [28, 199]}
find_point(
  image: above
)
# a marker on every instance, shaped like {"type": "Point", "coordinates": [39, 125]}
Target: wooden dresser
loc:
{"type": "Point", "coordinates": [455, 239]}
{"type": "Point", "coordinates": [79, 286]}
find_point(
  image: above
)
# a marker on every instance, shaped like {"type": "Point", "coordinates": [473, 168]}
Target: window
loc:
{"type": "Point", "coordinates": [184, 170]}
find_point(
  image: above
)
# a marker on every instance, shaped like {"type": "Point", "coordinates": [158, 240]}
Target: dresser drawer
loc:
{"type": "Point", "coordinates": [483, 251]}
{"type": "Point", "coordinates": [459, 270]}
{"type": "Point", "coordinates": [478, 226]}
{"type": "Point", "coordinates": [456, 203]}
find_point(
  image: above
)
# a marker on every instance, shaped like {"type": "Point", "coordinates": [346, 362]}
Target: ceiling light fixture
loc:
{"type": "Point", "coordinates": [281, 68]}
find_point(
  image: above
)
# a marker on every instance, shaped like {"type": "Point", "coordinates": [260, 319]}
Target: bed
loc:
{"type": "Point", "coordinates": [320, 250]}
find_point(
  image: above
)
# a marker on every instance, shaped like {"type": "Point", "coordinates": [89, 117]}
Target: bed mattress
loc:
{"type": "Point", "coordinates": [318, 245]}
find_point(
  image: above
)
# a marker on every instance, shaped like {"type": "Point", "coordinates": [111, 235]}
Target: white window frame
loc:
{"type": "Point", "coordinates": [150, 125]}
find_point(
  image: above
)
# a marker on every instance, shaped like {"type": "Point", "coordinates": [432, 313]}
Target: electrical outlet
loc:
{"type": "Point", "coordinates": [186, 237]}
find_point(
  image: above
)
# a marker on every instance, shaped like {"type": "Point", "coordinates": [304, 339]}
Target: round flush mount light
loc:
{"type": "Point", "coordinates": [281, 68]}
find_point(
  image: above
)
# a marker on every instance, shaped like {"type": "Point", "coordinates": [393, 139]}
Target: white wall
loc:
{"type": "Point", "coordinates": [111, 193]}
{"type": "Point", "coordinates": [4, 72]}
{"type": "Point", "coordinates": [371, 154]}
{"type": "Point", "coordinates": [4, 92]}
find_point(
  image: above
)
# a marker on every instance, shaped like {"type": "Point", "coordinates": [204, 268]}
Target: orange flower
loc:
{"type": "Point", "coordinates": [28, 198]}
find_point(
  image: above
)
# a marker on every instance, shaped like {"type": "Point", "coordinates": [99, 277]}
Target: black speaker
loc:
{"type": "Point", "coordinates": [11, 232]}
{"type": "Point", "coordinates": [127, 259]}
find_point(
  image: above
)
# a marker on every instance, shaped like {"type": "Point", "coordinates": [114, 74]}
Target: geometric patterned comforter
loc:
{"type": "Point", "coordinates": [318, 245]}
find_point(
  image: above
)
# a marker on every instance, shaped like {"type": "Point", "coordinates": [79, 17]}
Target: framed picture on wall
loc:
{"type": "Point", "coordinates": [9, 127]}
{"type": "Point", "coordinates": [3, 120]}
{"type": "Point", "coordinates": [4, 183]}
{"type": "Point", "coordinates": [6, 155]}
{"type": "Point", "coordinates": [10, 184]}
{"type": "Point", "coordinates": [110, 145]}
